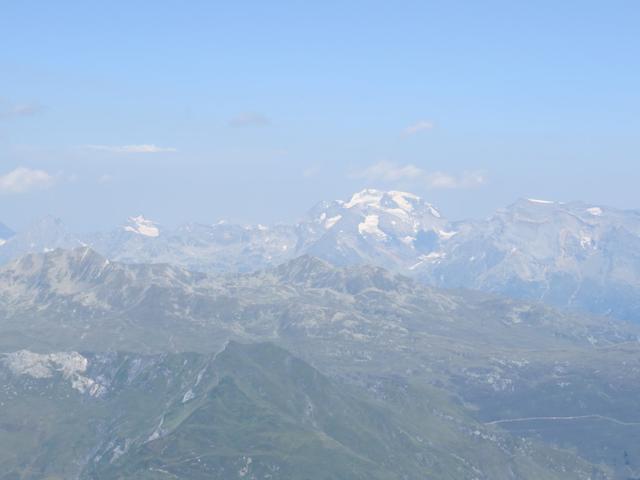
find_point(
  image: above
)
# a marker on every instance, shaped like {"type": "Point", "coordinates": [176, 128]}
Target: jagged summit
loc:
{"type": "Point", "coordinates": [304, 264]}
{"type": "Point", "coordinates": [58, 270]}
{"type": "Point", "coordinates": [305, 270]}
{"type": "Point", "coordinates": [312, 272]}
{"type": "Point", "coordinates": [43, 235]}
{"type": "Point", "coordinates": [379, 227]}
{"type": "Point", "coordinates": [392, 201]}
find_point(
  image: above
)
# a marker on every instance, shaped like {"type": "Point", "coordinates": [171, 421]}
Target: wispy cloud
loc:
{"type": "Point", "coordinates": [311, 171]}
{"type": "Point", "coordinates": [143, 148]}
{"type": "Point", "coordinates": [412, 175]}
{"type": "Point", "coordinates": [389, 172]}
{"type": "Point", "coordinates": [105, 178]}
{"type": "Point", "coordinates": [22, 180]}
{"type": "Point", "coordinates": [463, 180]}
{"type": "Point", "coordinates": [420, 126]}
{"type": "Point", "coordinates": [9, 110]}
{"type": "Point", "coordinates": [249, 119]}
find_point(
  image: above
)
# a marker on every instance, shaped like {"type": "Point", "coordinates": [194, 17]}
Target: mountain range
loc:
{"type": "Point", "coordinates": [373, 339]}
{"type": "Point", "coordinates": [569, 255]}
{"type": "Point", "coordinates": [114, 371]}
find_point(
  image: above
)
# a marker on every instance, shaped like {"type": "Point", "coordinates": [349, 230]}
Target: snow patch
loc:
{"type": "Point", "coordinates": [595, 211]}
{"type": "Point", "coordinates": [332, 221]}
{"type": "Point", "coordinates": [370, 226]}
{"type": "Point", "coordinates": [446, 235]}
{"type": "Point", "coordinates": [517, 314]}
{"type": "Point", "coordinates": [157, 433]}
{"type": "Point", "coordinates": [247, 466]}
{"type": "Point", "coordinates": [408, 240]}
{"type": "Point", "coordinates": [142, 226]}
{"type": "Point", "coordinates": [403, 199]}
{"type": "Point", "coordinates": [434, 211]}
{"type": "Point", "coordinates": [586, 241]}
{"type": "Point", "coordinates": [188, 396]}
{"type": "Point", "coordinates": [432, 257]}
{"type": "Point", "coordinates": [368, 197]}
{"type": "Point", "coordinates": [536, 200]}
{"type": "Point", "coordinates": [405, 203]}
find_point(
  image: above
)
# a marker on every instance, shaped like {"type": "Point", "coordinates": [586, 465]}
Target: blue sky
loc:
{"type": "Point", "coordinates": [254, 111]}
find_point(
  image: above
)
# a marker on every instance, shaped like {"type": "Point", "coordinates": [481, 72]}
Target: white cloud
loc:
{"type": "Point", "coordinates": [390, 172]}
{"type": "Point", "coordinates": [446, 180]}
{"type": "Point", "coordinates": [412, 175]}
{"type": "Point", "coordinates": [249, 119]}
{"type": "Point", "coordinates": [143, 148]}
{"type": "Point", "coordinates": [8, 110]}
{"type": "Point", "coordinates": [418, 127]}
{"type": "Point", "coordinates": [22, 180]}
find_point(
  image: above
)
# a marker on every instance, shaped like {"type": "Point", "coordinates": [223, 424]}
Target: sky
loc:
{"type": "Point", "coordinates": [254, 111]}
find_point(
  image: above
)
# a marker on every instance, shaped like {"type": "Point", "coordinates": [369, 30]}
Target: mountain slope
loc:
{"type": "Point", "coordinates": [220, 247]}
{"type": "Point", "coordinates": [412, 348]}
{"type": "Point", "coordinates": [251, 411]}
{"type": "Point", "coordinates": [47, 297]}
{"type": "Point", "coordinates": [569, 255]}
{"type": "Point", "coordinates": [44, 235]}
{"type": "Point", "coordinates": [5, 233]}
{"type": "Point", "coordinates": [388, 229]}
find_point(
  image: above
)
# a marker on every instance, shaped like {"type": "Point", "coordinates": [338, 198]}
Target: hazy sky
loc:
{"type": "Point", "coordinates": [256, 110]}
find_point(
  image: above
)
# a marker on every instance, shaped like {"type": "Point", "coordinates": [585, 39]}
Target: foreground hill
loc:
{"type": "Point", "coordinates": [248, 412]}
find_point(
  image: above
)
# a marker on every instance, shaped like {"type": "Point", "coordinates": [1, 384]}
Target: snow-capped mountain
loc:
{"type": "Point", "coordinates": [142, 226]}
{"type": "Point", "coordinates": [391, 229]}
{"type": "Point", "coordinates": [568, 254]}
{"type": "Point", "coordinates": [135, 236]}
{"type": "Point", "coordinates": [220, 247]}
{"type": "Point", "coordinates": [384, 228]}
